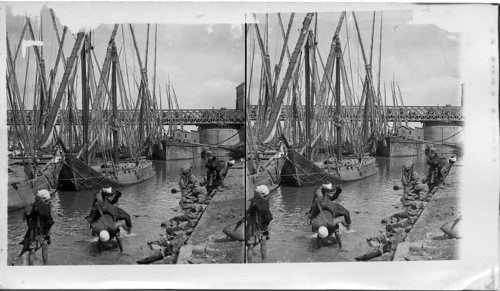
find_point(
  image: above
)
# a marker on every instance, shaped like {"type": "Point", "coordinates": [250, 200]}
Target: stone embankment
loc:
{"type": "Point", "coordinates": [415, 234]}
{"type": "Point", "coordinates": [426, 240]}
{"type": "Point", "coordinates": [196, 236]}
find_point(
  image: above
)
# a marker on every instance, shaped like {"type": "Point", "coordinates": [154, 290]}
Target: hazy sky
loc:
{"type": "Point", "coordinates": [205, 62]}
{"type": "Point", "coordinates": [416, 46]}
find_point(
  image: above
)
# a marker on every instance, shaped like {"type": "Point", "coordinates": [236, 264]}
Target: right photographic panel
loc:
{"type": "Point", "coordinates": [355, 134]}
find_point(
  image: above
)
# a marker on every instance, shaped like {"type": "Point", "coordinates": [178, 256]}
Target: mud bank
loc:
{"type": "Point", "coordinates": [196, 236]}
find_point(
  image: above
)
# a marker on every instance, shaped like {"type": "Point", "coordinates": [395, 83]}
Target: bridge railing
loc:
{"type": "Point", "coordinates": [184, 116]}
{"type": "Point", "coordinates": [409, 113]}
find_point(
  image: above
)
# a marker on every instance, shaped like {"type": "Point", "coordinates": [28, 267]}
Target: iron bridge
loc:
{"type": "Point", "coordinates": [400, 113]}
{"type": "Point", "coordinates": [182, 116]}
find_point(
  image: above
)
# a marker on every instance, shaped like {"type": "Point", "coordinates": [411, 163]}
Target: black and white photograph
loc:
{"type": "Point", "coordinates": [248, 145]}
{"type": "Point", "coordinates": [125, 140]}
{"type": "Point", "coordinates": [356, 136]}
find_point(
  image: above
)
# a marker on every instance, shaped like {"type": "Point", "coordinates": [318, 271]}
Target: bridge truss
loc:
{"type": "Point", "coordinates": [184, 116]}
{"type": "Point", "coordinates": [401, 113]}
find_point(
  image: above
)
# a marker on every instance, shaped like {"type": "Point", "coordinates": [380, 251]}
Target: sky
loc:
{"type": "Point", "coordinates": [204, 61]}
{"type": "Point", "coordinates": [422, 48]}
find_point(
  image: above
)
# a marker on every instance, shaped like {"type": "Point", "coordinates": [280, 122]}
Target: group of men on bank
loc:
{"type": "Point", "coordinates": [326, 215]}
{"type": "Point", "coordinates": [105, 218]}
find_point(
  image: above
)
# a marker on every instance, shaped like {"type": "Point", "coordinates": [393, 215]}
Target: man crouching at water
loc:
{"type": "Point", "coordinates": [107, 228]}
{"type": "Point", "coordinates": [325, 212]}
{"type": "Point", "coordinates": [104, 205]}
{"type": "Point", "coordinates": [187, 181]}
{"type": "Point", "coordinates": [257, 222]}
{"type": "Point", "coordinates": [321, 196]}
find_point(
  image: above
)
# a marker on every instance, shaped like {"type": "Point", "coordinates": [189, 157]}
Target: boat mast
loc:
{"type": "Point", "coordinates": [85, 101]}
{"type": "Point", "coordinates": [114, 104]}
{"type": "Point", "coordinates": [337, 99]}
{"type": "Point", "coordinates": [308, 98]}
{"type": "Point", "coordinates": [276, 105]}
{"type": "Point", "coordinates": [51, 118]}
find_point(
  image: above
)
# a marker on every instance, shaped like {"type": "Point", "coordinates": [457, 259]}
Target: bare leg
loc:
{"type": "Point", "coordinates": [263, 248]}
{"type": "Point", "coordinates": [249, 253]}
{"type": "Point", "coordinates": [123, 224]}
{"type": "Point", "coordinates": [45, 252]}
{"type": "Point", "coordinates": [339, 241]}
{"type": "Point", "coordinates": [99, 246]}
{"type": "Point", "coordinates": [119, 241]}
{"type": "Point", "coordinates": [31, 259]}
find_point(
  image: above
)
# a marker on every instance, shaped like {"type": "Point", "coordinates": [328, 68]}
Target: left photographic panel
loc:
{"type": "Point", "coordinates": [126, 136]}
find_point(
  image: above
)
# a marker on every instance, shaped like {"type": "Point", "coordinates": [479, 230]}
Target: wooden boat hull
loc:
{"type": "Point", "coordinates": [298, 171]}
{"type": "Point", "coordinates": [269, 175]}
{"type": "Point", "coordinates": [75, 175]}
{"type": "Point", "coordinates": [174, 150]}
{"type": "Point", "coordinates": [128, 175]}
{"type": "Point", "coordinates": [21, 193]}
{"type": "Point", "coordinates": [350, 170]}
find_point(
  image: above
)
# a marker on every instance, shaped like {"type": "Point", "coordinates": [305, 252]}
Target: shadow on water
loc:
{"type": "Point", "coordinates": [368, 200]}
{"type": "Point", "coordinates": [149, 203]}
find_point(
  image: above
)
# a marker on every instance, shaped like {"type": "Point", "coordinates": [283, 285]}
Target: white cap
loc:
{"type": "Point", "coordinates": [262, 189]}
{"type": "Point", "coordinates": [322, 232]}
{"type": "Point", "coordinates": [231, 162]}
{"type": "Point", "coordinates": [107, 190]}
{"type": "Point", "coordinates": [104, 236]}
{"type": "Point", "coordinates": [328, 186]}
{"type": "Point", "coordinates": [452, 159]}
{"type": "Point", "coordinates": [44, 194]}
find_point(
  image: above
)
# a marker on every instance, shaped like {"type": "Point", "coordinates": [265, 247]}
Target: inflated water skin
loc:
{"type": "Point", "coordinates": [235, 231]}
{"type": "Point", "coordinates": [325, 218]}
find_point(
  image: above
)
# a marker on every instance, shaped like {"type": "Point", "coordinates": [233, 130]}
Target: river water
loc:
{"type": "Point", "coordinates": [368, 200]}
{"type": "Point", "coordinates": [149, 203]}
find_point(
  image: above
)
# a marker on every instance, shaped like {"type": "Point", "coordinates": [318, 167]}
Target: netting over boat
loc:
{"type": "Point", "coordinates": [299, 171]}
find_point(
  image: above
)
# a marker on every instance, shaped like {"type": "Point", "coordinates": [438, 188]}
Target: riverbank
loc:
{"type": "Point", "coordinates": [195, 236]}
{"type": "Point", "coordinates": [426, 241]}
{"type": "Point", "coordinates": [416, 233]}
{"type": "Point", "coordinates": [207, 243]}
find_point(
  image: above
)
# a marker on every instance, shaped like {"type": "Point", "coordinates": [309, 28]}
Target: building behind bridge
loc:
{"type": "Point", "coordinates": [411, 133]}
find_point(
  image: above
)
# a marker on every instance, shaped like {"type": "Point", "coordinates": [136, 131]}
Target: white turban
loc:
{"type": "Point", "coordinates": [323, 232]}
{"type": "Point", "coordinates": [44, 194]}
{"type": "Point", "coordinates": [231, 162]}
{"type": "Point", "coordinates": [107, 190]}
{"type": "Point", "coordinates": [104, 235]}
{"type": "Point", "coordinates": [262, 189]}
{"type": "Point", "coordinates": [328, 186]}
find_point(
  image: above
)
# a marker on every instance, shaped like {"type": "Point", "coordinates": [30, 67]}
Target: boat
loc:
{"type": "Point", "coordinates": [78, 175]}
{"type": "Point", "coordinates": [21, 191]}
{"type": "Point", "coordinates": [315, 134]}
{"type": "Point", "coordinates": [268, 173]}
{"type": "Point", "coordinates": [75, 175]}
{"type": "Point", "coordinates": [170, 150]}
{"type": "Point", "coordinates": [298, 171]}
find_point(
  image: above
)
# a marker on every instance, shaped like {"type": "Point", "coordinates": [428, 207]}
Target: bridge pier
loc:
{"type": "Point", "coordinates": [444, 132]}
{"type": "Point", "coordinates": [221, 135]}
